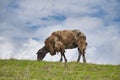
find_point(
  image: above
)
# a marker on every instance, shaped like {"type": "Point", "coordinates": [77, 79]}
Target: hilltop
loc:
{"type": "Point", "coordinates": [41, 70]}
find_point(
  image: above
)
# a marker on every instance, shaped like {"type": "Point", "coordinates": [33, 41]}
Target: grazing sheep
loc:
{"type": "Point", "coordinates": [60, 40]}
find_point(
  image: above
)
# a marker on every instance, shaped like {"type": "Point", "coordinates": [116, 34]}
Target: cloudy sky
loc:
{"type": "Point", "coordinates": [25, 24]}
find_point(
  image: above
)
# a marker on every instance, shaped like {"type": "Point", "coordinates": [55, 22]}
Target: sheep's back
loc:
{"type": "Point", "coordinates": [65, 36]}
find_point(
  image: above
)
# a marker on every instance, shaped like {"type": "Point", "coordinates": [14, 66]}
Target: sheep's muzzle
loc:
{"type": "Point", "coordinates": [41, 54]}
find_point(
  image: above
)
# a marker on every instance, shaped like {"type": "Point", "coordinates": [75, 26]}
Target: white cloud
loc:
{"type": "Point", "coordinates": [6, 48]}
{"type": "Point", "coordinates": [28, 50]}
{"type": "Point", "coordinates": [84, 23]}
{"type": "Point", "coordinates": [46, 31]}
{"type": "Point", "coordinates": [106, 45]}
{"type": "Point", "coordinates": [112, 10]}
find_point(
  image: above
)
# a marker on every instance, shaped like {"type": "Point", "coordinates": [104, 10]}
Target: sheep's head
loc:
{"type": "Point", "coordinates": [41, 53]}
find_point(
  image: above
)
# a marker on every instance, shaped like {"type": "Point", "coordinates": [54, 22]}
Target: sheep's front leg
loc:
{"type": "Point", "coordinates": [61, 58]}
{"type": "Point", "coordinates": [64, 57]}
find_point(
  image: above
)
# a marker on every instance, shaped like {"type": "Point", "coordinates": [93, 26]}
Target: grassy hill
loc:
{"type": "Point", "coordinates": [41, 70]}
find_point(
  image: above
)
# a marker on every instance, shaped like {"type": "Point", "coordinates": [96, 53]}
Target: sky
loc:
{"type": "Point", "coordinates": [25, 24]}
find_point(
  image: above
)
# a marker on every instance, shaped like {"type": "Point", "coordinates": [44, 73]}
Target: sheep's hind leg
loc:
{"type": "Point", "coordinates": [84, 60]}
{"type": "Point", "coordinates": [79, 55]}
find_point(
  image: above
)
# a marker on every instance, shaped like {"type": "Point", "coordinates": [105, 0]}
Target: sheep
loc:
{"type": "Point", "coordinates": [58, 41]}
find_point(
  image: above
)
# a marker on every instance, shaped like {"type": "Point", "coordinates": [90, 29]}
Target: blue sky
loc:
{"type": "Point", "coordinates": [25, 24]}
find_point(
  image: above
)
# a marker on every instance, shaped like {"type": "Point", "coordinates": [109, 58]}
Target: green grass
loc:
{"type": "Point", "coordinates": [41, 70]}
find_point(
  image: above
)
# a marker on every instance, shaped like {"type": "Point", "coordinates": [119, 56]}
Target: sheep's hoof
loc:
{"type": "Point", "coordinates": [78, 61]}
{"type": "Point", "coordinates": [61, 60]}
{"type": "Point", "coordinates": [65, 61]}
